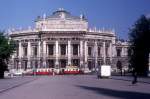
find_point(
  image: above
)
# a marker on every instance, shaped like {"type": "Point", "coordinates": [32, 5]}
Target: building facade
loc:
{"type": "Point", "coordinates": [61, 40]}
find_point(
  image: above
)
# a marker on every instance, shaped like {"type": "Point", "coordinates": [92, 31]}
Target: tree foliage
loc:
{"type": "Point", "coordinates": [140, 45]}
{"type": "Point", "coordinates": [6, 49]}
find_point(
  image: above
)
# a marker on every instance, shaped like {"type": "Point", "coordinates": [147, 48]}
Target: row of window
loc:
{"type": "Point", "coordinates": [25, 51]}
{"type": "Point", "coordinates": [49, 63]}
{"type": "Point", "coordinates": [120, 50]}
{"type": "Point", "coordinates": [34, 50]}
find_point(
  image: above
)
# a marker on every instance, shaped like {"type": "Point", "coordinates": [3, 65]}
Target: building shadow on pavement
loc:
{"type": "Point", "coordinates": [130, 80]}
{"type": "Point", "coordinates": [117, 93]}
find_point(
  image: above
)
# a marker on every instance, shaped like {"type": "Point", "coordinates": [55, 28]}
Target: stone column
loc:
{"type": "Point", "coordinates": [59, 50]}
{"type": "Point", "coordinates": [20, 55]}
{"type": "Point", "coordinates": [85, 54]}
{"type": "Point", "coordinates": [69, 52]}
{"type": "Point", "coordinates": [44, 54]}
{"type": "Point", "coordinates": [125, 51]}
{"type": "Point", "coordinates": [96, 53]}
{"type": "Point", "coordinates": [114, 47]}
{"type": "Point", "coordinates": [122, 51]}
{"type": "Point", "coordinates": [101, 51]}
{"type": "Point", "coordinates": [39, 49]}
{"type": "Point", "coordinates": [78, 50]}
{"type": "Point", "coordinates": [29, 54]}
{"type": "Point", "coordinates": [104, 52]}
{"type": "Point", "coordinates": [55, 49]}
{"type": "Point", "coordinates": [57, 54]}
{"type": "Point", "coordinates": [110, 52]}
{"type": "Point", "coordinates": [47, 52]}
{"type": "Point", "coordinates": [20, 49]}
{"type": "Point", "coordinates": [66, 50]}
{"type": "Point", "coordinates": [114, 51]}
{"type": "Point", "coordinates": [39, 54]}
{"type": "Point", "coordinates": [81, 53]}
{"type": "Point", "coordinates": [13, 62]}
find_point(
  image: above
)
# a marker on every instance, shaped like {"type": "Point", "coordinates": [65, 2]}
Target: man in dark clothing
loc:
{"type": "Point", "coordinates": [134, 76]}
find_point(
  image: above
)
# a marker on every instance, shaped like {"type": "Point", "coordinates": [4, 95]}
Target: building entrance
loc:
{"type": "Point", "coordinates": [63, 63]}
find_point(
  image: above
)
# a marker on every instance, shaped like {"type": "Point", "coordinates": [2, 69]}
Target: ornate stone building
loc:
{"type": "Point", "coordinates": [61, 40]}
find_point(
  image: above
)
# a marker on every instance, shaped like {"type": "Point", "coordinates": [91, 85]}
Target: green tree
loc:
{"type": "Point", "coordinates": [6, 49]}
{"type": "Point", "coordinates": [140, 45]}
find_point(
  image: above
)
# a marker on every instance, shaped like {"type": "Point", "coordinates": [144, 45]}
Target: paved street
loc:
{"type": "Point", "coordinates": [9, 83]}
{"type": "Point", "coordinates": [76, 87]}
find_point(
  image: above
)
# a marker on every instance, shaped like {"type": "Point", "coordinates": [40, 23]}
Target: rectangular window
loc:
{"type": "Point", "coordinates": [25, 64]}
{"type": "Point", "coordinates": [99, 51]}
{"type": "Point", "coordinates": [50, 49]}
{"type": "Point", "coordinates": [34, 50]}
{"type": "Point", "coordinates": [90, 51]}
{"type": "Point", "coordinates": [63, 49]}
{"type": "Point", "coordinates": [17, 51]}
{"type": "Point", "coordinates": [118, 52]}
{"type": "Point", "coordinates": [25, 51]}
{"type": "Point", "coordinates": [75, 49]}
{"type": "Point", "coordinates": [106, 52]}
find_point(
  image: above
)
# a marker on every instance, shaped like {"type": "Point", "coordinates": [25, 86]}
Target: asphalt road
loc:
{"type": "Point", "coordinates": [77, 87]}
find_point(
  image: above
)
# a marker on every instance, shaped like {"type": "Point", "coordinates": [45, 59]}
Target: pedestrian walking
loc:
{"type": "Point", "coordinates": [134, 76]}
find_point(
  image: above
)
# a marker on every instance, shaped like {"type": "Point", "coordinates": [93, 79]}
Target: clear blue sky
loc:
{"type": "Point", "coordinates": [117, 14]}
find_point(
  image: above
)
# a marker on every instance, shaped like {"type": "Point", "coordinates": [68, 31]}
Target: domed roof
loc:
{"type": "Point", "coordinates": [62, 20]}
{"type": "Point", "coordinates": [63, 14]}
{"type": "Point", "coordinates": [60, 12]}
